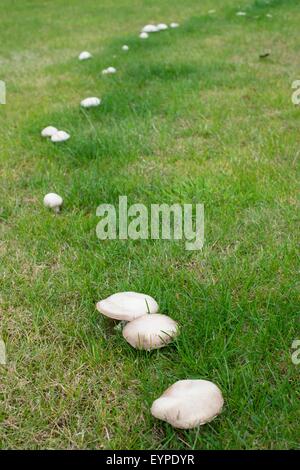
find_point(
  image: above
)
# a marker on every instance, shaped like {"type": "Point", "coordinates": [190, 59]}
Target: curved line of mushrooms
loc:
{"type": "Point", "coordinates": [187, 403]}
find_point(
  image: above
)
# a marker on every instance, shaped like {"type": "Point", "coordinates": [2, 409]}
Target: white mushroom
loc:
{"type": "Point", "coordinates": [150, 28]}
{"type": "Point", "coordinates": [241, 13]}
{"type": "Point", "coordinates": [144, 35]}
{"type": "Point", "coordinates": [84, 55]}
{"type": "Point", "coordinates": [90, 102]}
{"type": "Point", "coordinates": [48, 131]}
{"type": "Point", "coordinates": [174, 25]}
{"type": "Point", "coordinates": [109, 70]}
{"type": "Point", "coordinates": [162, 27]}
{"type": "Point", "coordinates": [125, 47]}
{"type": "Point", "coordinates": [60, 136]}
{"type": "Point", "coordinates": [127, 306]}
{"type": "Point", "coordinates": [150, 331]}
{"type": "Point", "coordinates": [53, 201]}
{"type": "Point", "coordinates": [189, 403]}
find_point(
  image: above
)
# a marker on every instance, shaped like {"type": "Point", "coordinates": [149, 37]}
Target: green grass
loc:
{"type": "Point", "coordinates": [193, 115]}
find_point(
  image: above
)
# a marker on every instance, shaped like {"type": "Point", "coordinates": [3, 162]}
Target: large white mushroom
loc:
{"type": "Point", "coordinates": [90, 102]}
{"type": "Point", "coordinates": [60, 136]}
{"type": "Point", "coordinates": [150, 331]}
{"type": "Point", "coordinates": [188, 404]}
{"type": "Point", "coordinates": [84, 55]}
{"type": "Point", "coordinates": [49, 131]}
{"type": "Point", "coordinates": [127, 306]}
{"type": "Point", "coordinates": [53, 201]}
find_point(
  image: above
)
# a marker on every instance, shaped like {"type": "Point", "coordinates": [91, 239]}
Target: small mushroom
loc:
{"type": "Point", "coordinates": [150, 28]}
{"type": "Point", "coordinates": [162, 27]}
{"type": "Point", "coordinates": [125, 47]}
{"type": "Point", "coordinates": [174, 25]}
{"type": "Point", "coordinates": [49, 131]}
{"type": "Point", "coordinates": [53, 201]}
{"type": "Point", "coordinates": [60, 136]}
{"type": "Point", "coordinates": [127, 306]}
{"type": "Point", "coordinates": [84, 55]}
{"type": "Point", "coordinates": [150, 331]}
{"type": "Point", "coordinates": [109, 70]}
{"type": "Point", "coordinates": [241, 13]}
{"type": "Point", "coordinates": [189, 403]}
{"type": "Point", "coordinates": [144, 35]}
{"type": "Point", "coordinates": [90, 102]}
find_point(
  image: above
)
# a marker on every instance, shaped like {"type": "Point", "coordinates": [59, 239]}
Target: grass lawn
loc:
{"type": "Point", "coordinates": [193, 115]}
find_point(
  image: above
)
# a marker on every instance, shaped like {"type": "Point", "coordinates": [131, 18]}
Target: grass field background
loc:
{"type": "Point", "coordinates": [192, 116]}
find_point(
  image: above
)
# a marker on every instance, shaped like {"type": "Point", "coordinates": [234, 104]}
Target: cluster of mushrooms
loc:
{"type": "Point", "coordinates": [187, 403]}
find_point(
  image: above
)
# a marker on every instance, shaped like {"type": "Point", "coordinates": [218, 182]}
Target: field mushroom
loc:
{"type": "Point", "coordinates": [150, 331]}
{"type": "Point", "coordinates": [188, 404]}
{"type": "Point", "coordinates": [84, 55]}
{"type": "Point", "coordinates": [162, 27]}
{"type": "Point", "coordinates": [49, 131]}
{"type": "Point", "coordinates": [174, 25]}
{"type": "Point", "coordinates": [60, 136]}
{"type": "Point", "coordinates": [241, 13]}
{"type": "Point", "coordinates": [149, 28]}
{"type": "Point", "coordinates": [53, 201]}
{"type": "Point", "coordinates": [109, 70]}
{"type": "Point", "coordinates": [90, 102]}
{"type": "Point", "coordinates": [144, 35]}
{"type": "Point", "coordinates": [125, 47]}
{"type": "Point", "coordinates": [127, 306]}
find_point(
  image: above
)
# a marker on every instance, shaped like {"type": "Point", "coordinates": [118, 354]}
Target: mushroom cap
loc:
{"type": "Point", "coordinates": [111, 70]}
{"type": "Point", "coordinates": [49, 131]}
{"type": "Point", "coordinates": [150, 331]}
{"type": "Point", "coordinates": [150, 28]}
{"type": "Point", "coordinates": [241, 13]}
{"type": "Point", "coordinates": [53, 201]}
{"type": "Point", "coordinates": [144, 35]}
{"type": "Point", "coordinates": [90, 102]}
{"type": "Point", "coordinates": [60, 136]}
{"type": "Point", "coordinates": [174, 25]}
{"type": "Point", "coordinates": [127, 305]}
{"type": "Point", "coordinates": [125, 47]}
{"type": "Point", "coordinates": [162, 27]}
{"type": "Point", "coordinates": [189, 403]}
{"type": "Point", "coordinates": [84, 55]}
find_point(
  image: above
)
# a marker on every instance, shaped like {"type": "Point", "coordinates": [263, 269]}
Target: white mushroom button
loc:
{"type": "Point", "coordinates": [241, 13]}
{"type": "Point", "coordinates": [188, 404]}
{"type": "Point", "coordinates": [127, 306]}
{"type": "Point", "coordinates": [84, 55]}
{"type": "Point", "coordinates": [53, 201]}
{"type": "Point", "coordinates": [149, 28]}
{"type": "Point", "coordinates": [48, 131]}
{"type": "Point", "coordinates": [150, 331]}
{"type": "Point", "coordinates": [174, 25]}
{"type": "Point", "coordinates": [90, 102]}
{"type": "Point", "coordinates": [162, 27]}
{"type": "Point", "coordinates": [109, 70]}
{"type": "Point", "coordinates": [144, 35]}
{"type": "Point", "coordinates": [125, 47]}
{"type": "Point", "coordinates": [60, 136]}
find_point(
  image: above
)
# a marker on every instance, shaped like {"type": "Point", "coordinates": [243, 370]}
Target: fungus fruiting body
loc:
{"type": "Point", "coordinates": [150, 331]}
{"type": "Point", "coordinates": [174, 25]}
{"type": "Point", "coordinates": [49, 131]}
{"type": "Point", "coordinates": [53, 201]}
{"type": "Point", "coordinates": [60, 136]}
{"type": "Point", "coordinates": [90, 102]}
{"type": "Point", "coordinates": [162, 27]}
{"type": "Point", "coordinates": [149, 28]}
{"type": "Point", "coordinates": [84, 55]}
{"type": "Point", "coordinates": [125, 48]}
{"type": "Point", "coordinates": [188, 404]}
{"type": "Point", "coordinates": [109, 70]}
{"type": "Point", "coordinates": [127, 306]}
{"type": "Point", "coordinates": [144, 35]}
